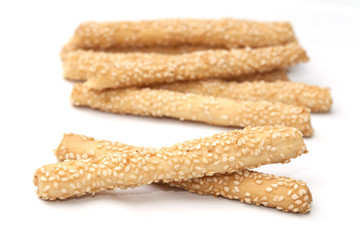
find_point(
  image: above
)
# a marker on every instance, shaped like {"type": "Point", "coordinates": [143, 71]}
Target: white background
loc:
{"type": "Point", "coordinates": [35, 112]}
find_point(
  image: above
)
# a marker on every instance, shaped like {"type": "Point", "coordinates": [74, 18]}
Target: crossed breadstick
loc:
{"type": "Point", "coordinates": [247, 186]}
{"type": "Point", "coordinates": [226, 152]}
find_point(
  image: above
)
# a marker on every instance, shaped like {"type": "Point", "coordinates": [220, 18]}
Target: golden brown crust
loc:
{"type": "Point", "coordinates": [224, 32]}
{"type": "Point", "coordinates": [211, 64]}
{"type": "Point", "coordinates": [251, 187]}
{"type": "Point", "coordinates": [193, 107]}
{"type": "Point", "coordinates": [316, 98]}
{"type": "Point", "coordinates": [226, 152]}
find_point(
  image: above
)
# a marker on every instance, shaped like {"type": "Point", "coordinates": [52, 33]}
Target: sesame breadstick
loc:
{"type": "Point", "coordinates": [283, 193]}
{"type": "Point", "coordinates": [224, 32]}
{"type": "Point", "coordinates": [316, 98]}
{"type": "Point", "coordinates": [221, 153]}
{"type": "Point", "coordinates": [193, 107]}
{"type": "Point", "coordinates": [77, 63]}
{"type": "Point", "coordinates": [251, 187]}
{"type": "Point", "coordinates": [210, 64]}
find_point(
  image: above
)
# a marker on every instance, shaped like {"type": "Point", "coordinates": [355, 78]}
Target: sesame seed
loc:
{"type": "Point", "coordinates": [302, 192]}
{"type": "Point", "coordinates": [294, 196]}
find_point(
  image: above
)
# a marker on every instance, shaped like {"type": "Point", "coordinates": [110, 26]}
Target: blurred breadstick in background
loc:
{"type": "Point", "coordinates": [193, 107]}
{"type": "Point", "coordinates": [211, 64]}
{"type": "Point", "coordinates": [225, 152]}
{"type": "Point", "coordinates": [224, 32]}
{"type": "Point", "coordinates": [76, 64]}
{"type": "Point", "coordinates": [247, 186]}
{"type": "Point", "coordinates": [318, 99]}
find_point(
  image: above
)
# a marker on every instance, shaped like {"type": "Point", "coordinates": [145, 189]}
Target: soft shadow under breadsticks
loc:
{"type": "Point", "coordinates": [247, 186]}
{"type": "Point", "coordinates": [193, 107]}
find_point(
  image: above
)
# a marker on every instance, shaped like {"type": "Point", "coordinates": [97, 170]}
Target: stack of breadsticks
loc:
{"type": "Point", "coordinates": [224, 72]}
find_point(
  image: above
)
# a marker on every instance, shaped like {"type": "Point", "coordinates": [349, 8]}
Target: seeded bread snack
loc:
{"type": "Point", "coordinates": [318, 99]}
{"type": "Point", "coordinates": [251, 187]}
{"type": "Point", "coordinates": [283, 193]}
{"type": "Point", "coordinates": [210, 64]}
{"type": "Point", "coordinates": [193, 107]}
{"type": "Point", "coordinates": [226, 152]}
{"type": "Point", "coordinates": [225, 32]}
{"type": "Point", "coordinates": [77, 63]}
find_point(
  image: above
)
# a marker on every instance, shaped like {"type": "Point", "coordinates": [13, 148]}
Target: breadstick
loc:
{"type": "Point", "coordinates": [77, 62]}
{"type": "Point", "coordinates": [247, 186]}
{"type": "Point", "coordinates": [211, 64]}
{"type": "Point", "coordinates": [220, 153]}
{"type": "Point", "coordinates": [316, 98]}
{"type": "Point", "coordinates": [283, 193]}
{"type": "Point", "coordinates": [193, 107]}
{"type": "Point", "coordinates": [225, 32]}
